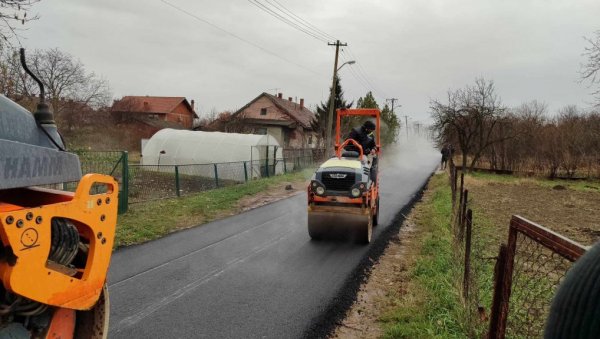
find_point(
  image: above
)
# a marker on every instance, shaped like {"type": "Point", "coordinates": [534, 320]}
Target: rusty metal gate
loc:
{"type": "Point", "coordinates": [527, 273]}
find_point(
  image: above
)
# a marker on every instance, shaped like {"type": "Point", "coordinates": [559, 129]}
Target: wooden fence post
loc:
{"type": "Point", "coordinates": [467, 270]}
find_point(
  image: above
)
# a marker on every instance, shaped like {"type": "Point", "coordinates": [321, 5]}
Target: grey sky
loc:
{"type": "Point", "coordinates": [413, 50]}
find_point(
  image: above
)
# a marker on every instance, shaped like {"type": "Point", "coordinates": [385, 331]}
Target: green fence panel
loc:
{"type": "Point", "coordinates": [124, 192]}
{"type": "Point", "coordinates": [177, 190]}
{"type": "Point", "coordinates": [216, 175]}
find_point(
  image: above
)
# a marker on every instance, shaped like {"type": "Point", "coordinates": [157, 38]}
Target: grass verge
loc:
{"type": "Point", "coordinates": [431, 305]}
{"type": "Point", "coordinates": [150, 220]}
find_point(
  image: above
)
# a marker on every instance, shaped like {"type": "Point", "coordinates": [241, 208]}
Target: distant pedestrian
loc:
{"type": "Point", "coordinates": [446, 154]}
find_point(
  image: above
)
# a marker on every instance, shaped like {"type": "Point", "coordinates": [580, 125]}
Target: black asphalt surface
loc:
{"type": "Point", "coordinates": [253, 275]}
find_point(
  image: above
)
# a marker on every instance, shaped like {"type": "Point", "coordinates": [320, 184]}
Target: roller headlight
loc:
{"type": "Point", "coordinates": [355, 192]}
{"type": "Point", "coordinates": [320, 190]}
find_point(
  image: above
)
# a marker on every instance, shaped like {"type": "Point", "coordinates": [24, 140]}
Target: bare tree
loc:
{"type": "Point", "coordinates": [469, 119]}
{"type": "Point", "coordinates": [12, 14]}
{"type": "Point", "coordinates": [591, 69]}
{"type": "Point", "coordinates": [65, 78]}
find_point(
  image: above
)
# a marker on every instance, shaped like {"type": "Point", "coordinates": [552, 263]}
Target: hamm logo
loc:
{"type": "Point", "coordinates": [338, 176]}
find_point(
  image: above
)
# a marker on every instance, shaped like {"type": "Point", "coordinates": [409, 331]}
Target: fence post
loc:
{"type": "Point", "coordinates": [463, 214]}
{"type": "Point", "coordinates": [494, 330]}
{"type": "Point", "coordinates": [503, 286]}
{"type": "Point", "coordinates": [245, 172]}
{"type": "Point", "coordinates": [267, 166]}
{"type": "Point", "coordinates": [177, 180]}
{"type": "Point", "coordinates": [467, 271]}
{"type": "Point", "coordinates": [216, 175]}
{"type": "Point", "coordinates": [124, 194]}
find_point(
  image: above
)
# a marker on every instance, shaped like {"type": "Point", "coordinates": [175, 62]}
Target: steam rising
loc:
{"type": "Point", "coordinates": [416, 154]}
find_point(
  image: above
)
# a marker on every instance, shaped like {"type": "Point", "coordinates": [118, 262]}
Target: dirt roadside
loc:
{"type": "Point", "coordinates": [570, 212]}
{"type": "Point", "coordinates": [280, 191]}
{"type": "Point", "coordinates": [388, 281]}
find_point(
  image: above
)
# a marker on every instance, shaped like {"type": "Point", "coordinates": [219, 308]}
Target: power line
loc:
{"type": "Point", "coordinates": [285, 15]}
{"type": "Point", "coordinates": [299, 19]}
{"type": "Point", "coordinates": [355, 75]}
{"type": "Point", "coordinates": [362, 71]}
{"type": "Point", "coordinates": [237, 36]}
{"type": "Point", "coordinates": [285, 20]}
{"type": "Point", "coordinates": [363, 79]}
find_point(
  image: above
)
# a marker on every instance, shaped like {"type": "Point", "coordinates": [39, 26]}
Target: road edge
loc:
{"type": "Point", "coordinates": [323, 325]}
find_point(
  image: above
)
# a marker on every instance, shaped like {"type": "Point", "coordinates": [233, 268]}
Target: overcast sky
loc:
{"type": "Point", "coordinates": [413, 50]}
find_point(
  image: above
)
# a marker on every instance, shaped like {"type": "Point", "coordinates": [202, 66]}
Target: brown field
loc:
{"type": "Point", "coordinates": [571, 208]}
{"type": "Point", "coordinates": [573, 211]}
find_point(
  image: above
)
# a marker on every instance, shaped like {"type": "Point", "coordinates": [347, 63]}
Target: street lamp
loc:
{"type": "Point", "coordinates": [351, 62]}
{"type": "Point", "coordinates": [331, 106]}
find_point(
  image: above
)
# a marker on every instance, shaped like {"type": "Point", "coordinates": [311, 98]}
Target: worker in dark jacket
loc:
{"type": "Point", "coordinates": [362, 135]}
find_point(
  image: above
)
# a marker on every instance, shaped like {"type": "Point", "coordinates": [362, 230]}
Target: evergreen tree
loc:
{"type": "Point", "coordinates": [367, 102]}
{"type": "Point", "coordinates": [319, 124]}
{"type": "Point", "coordinates": [390, 126]}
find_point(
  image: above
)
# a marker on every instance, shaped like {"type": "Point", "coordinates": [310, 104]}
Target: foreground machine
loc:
{"type": "Point", "coordinates": [55, 246]}
{"type": "Point", "coordinates": [343, 194]}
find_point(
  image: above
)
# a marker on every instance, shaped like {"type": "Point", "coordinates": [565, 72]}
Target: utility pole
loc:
{"type": "Point", "coordinates": [328, 143]}
{"type": "Point", "coordinates": [406, 124]}
{"type": "Point", "coordinates": [393, 100]}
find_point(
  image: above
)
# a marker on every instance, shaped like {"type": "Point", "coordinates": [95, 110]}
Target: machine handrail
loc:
{"type": "Point", "coordinates": [345, 143]}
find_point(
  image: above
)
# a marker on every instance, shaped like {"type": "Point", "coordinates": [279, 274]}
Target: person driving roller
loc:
{"type": "Point", "coordinates": [363, 135]}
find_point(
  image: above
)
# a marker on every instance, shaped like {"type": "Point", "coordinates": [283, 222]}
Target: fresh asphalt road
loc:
{"type": "Point", "coordinates": [253, 275]}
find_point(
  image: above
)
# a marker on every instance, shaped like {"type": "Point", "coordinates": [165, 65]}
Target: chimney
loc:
{"type": "Point", "coordinates": [192, 104]}
{"type": "Point", "coordinates": [280, 95]}
{"type": "Point", "coordinates": [301, 103]}
{"type": "Point", "coordinates": [290, 99]}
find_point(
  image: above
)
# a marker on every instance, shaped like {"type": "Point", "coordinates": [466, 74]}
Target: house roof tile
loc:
{"type": "Point", "coordinates": [148, 104]}
{"type": "Point", "coordinates": [303, 115]}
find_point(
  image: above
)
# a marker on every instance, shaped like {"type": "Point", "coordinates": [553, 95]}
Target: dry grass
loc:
{"type": "Point", "coordinates": [572, 210]}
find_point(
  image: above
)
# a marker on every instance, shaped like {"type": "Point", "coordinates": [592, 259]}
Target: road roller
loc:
{"type": "Point", "coordinates": [55, 244]}
{"type": "Point", "coordinates": [343, 194]}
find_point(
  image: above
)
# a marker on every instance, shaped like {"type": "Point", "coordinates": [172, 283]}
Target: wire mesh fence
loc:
{"type": "Point", "coordinates": [531, 267]}
{"type": "Point", "coordinates": [138, 183]}
{"type": "Point", "coordinates": [537, 273]}
{"type": "Point", "coordinates": [528, 270]}
{"type": "Point", "coordinates": [151, 182]}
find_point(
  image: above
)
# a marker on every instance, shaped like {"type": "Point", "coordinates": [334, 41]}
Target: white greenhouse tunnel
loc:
{"type": "Point", "coordinates": [179, 147]}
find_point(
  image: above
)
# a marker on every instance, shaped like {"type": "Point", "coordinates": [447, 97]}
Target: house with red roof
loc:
{"type": "Point", "coordinates": [288, 121]}
{"type": "Point", "coordinates": [148, 114]}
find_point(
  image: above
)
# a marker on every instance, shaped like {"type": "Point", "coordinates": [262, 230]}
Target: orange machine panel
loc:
{"type": "Point", "coordinates": [26, 237]}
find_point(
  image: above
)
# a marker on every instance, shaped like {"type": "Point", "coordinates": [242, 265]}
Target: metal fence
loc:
{"type": "Point", "coordinates": [527, 271]}
{"type": "Point", "coordinates": [113, 163]}
{"type": "Point", "coordinates": [150, 182]}
{"type": "Point", "coordinates": [138, 183]}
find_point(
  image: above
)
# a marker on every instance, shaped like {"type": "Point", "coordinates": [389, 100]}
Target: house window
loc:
{"type": "Point", "coordinates": [262, 131]}
{"type": "Point", "coordinates": [263, 111]}
{"type": "Point", "coordinates": [286, 138]}
{"type": "Point", "coordinates": [310, 139]}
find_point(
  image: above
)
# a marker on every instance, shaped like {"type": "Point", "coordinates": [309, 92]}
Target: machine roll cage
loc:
{"type": "Point", "coordinates": [368, 112]}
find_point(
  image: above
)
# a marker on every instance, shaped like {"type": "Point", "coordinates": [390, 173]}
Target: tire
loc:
{"type": "Point", "coordinates": [366, 231]}
{"type": "Point", "coordinates": [314, 233]}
